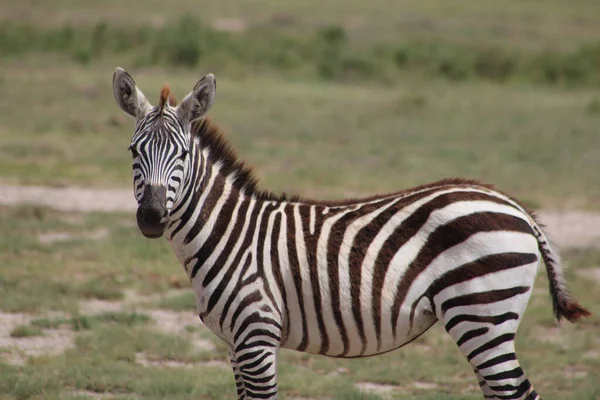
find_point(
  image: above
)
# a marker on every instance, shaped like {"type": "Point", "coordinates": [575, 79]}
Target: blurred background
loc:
{"type": "Point", "coordinates": [326, 99]}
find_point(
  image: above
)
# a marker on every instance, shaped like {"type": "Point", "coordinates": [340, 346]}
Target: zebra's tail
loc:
{"type": "Point", "coordinates": [562, 302]}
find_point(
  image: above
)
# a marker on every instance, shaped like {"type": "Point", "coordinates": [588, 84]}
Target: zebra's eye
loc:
{"type": "Point", "coordinates": [184, 154]}
{"type": "Point", "coordinates": [133, 151]}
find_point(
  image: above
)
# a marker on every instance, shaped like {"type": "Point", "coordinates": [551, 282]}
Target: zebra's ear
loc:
{"type": "Point", "coordinates": [197, 103]}
{"type": "Point", "coordinates": [128, 96]}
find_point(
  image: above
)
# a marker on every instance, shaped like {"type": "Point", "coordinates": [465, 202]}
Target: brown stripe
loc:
{"type": "Point", "coordinates": [205, 251]}
{"type": "Point", "coordinates": [253, 297]}
{"type": "Point", "coordinates": [447, 236]}
{"type": "Point", "coordinates": [507, 337]}
{"type": "Point", "coordinates": [334, 244]}
{"type": "Point", "coordinates": [402, 234]}
{"type": "Point", "coordinates": [490, 296]}
{"type": "Point", "coordinates": [311, 243]}
{"type": "Point", "coordinates": [357, 254]}
{"type": "Point", "coordinates": [194, 192]}
{"type": "Point", "coordinates": [275, 266]}
{"type": "Point", "coordinates": [474, 269]}
{"type": "Point", "coordinates": [236, 290]}
{"type": "Point", "coordinates": [224, 218]}
{"type": "Point", "coordinates": [471, 335]}
{"type": "Point", "coordinates": [295, 269]}
{"type": "Point", "coordinates": [261, 242]}
{"type": "Point", "coordinates": [215, 191]}
{"type": "Point", "coordinates": [311, 248]}
{"type": "Point", "coordinates": [486, 319]}
{"type": "Point", "coordinates": [222, 285]}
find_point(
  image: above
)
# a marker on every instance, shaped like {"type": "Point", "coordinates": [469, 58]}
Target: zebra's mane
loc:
{"type": "Point", "coordinates": [166, 96]}
{"type": "Point", "coordinates": [210, 136]}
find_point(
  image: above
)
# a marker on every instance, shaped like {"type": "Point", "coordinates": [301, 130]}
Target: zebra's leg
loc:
{"type": "Point", "coordinates": [487, 340]}
{"type": "Point", "coordinates": [239, 382]}
{"type": "Point", "coordinates": [257, 365]}
{"type": "Point", "coordinates": [487, 392]}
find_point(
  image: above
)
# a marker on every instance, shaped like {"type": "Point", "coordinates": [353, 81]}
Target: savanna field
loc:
{"type": "Point", "coordinates": [326, 99]}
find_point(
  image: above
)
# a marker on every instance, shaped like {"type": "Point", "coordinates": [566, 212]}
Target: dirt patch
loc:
{"type": "Point", "coordinates": [54, 237]}
{"type": "Point", "coordinates": [92, 395]}
{"type": "Point", "coordinates": [378, 388]}
{"type": "Point", "coordinates": [572, 229]}
{"type": "Point", "coordinates": [56, 341]}
{"type": "Point", "coordinates": [94, 306]}
{"type": "Point", "coordinates": [69, 198]}
{"type": "Point", "coordinates": [591, 354]}
{"type": "Point", "coordinates": [11, 321]}
{"type": "Point", "coordinates": [425, 385]}
{"type": "Point", "coordinates": [142, 359]}
{"type": "Point", "coordinates": [16, 350]}
{"type": "Point", "coordinates": [235, 25]}
{"type": "Point", "coordinates": [173, 322]}
{"type": "Point", "coordinates": [590, 274]}
{"type": "Point", "coordinates": [572, 372]}
{"type": "Point", "coordinates": [204, 345]}
{"type": "Point", "coordinates": [339, 371]}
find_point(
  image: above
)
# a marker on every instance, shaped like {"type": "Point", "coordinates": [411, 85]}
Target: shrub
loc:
{"type": "Point", "coordinates": [331, 43]}
{"type": "Point", "coordinates": [495, 64]}
{"type": "Point", "coordinates": [23, 331]}
{"type": "Point", "coordinates": [179, 44]}
{"type": "Point", "coordinates": [329, 54]}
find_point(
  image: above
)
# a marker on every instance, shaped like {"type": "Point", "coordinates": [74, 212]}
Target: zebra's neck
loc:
{"type": "Point", "coordinates": [215, 187]}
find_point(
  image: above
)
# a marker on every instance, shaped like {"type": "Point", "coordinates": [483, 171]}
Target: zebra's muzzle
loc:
{"type": "Point", "coordinates": [152, 214]}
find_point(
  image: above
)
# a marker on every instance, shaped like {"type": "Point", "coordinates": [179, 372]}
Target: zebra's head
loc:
{"type": "Point", "coordinates": [160, 145]}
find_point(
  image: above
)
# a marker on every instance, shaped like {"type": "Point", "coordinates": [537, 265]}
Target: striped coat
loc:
{"type": "Point", "coordinates": [344, 279]}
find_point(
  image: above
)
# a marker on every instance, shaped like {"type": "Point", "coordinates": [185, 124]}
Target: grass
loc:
{"type": "Point", "coordinates": [320, 139]}
{"type": "Point", "coordinates": [70, 270]}
{"type": "Point", "coordinates": [560, 361]}
{"type": "Point", "coordinates": [323, 104]}
{"type": "Point", "coordinates": [326, 99]}
{"type": "Point", "coordinates": [513, 22]}
{"type": "Point", "coordinates": [24, 331]}
{"type": "Point", "coordinates": [329, 53]}
{"type": "Point", "coordinates": [181, 302]}
{"type": "Point", "coordinates": [83, 322]}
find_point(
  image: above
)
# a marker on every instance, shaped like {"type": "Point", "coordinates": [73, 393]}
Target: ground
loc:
{"type": "Point", "coordinates": [169, 336]}
{"type": "Point", "coordinates": [326, 99]}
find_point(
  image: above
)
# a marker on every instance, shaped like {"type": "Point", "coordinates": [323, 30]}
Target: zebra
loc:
{"type": "Point", "coordinates": [351, 278]}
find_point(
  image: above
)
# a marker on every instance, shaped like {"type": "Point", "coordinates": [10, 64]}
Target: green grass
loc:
{"type": "Point", "coordinates": [24, 331]}
{"type": "Point", "coordinates": [326, 99]}
{"type": "Point", "coordinates": [83, 322]}
{"type": "Point", "coordinates": [329, 53]}
{"type": "Point", "coordinates": [60, 274]}
{"type": "Point", "coordinates": [180, 302]}
{"type": "Point", "coordinates": [318, 139]}
{"type": "Point", "coordinates": [403, 108]}
{"type": "Point", "coordinates": [560, 361]}
{"type": "Point", "coordinates": [514, 22]}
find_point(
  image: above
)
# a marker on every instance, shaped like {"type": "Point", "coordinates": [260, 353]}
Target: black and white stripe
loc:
{"type": "Point", "coordinates": [164, 154]}
{"type": "Point", "coordinates": [348, 279]}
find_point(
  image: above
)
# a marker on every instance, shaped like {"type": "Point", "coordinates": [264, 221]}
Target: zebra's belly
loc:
{"type": "Point", "coordinates": [371, 335]}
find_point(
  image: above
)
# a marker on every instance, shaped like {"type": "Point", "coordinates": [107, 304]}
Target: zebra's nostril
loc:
{"type": "Point", "coordinates": [165, 217]}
